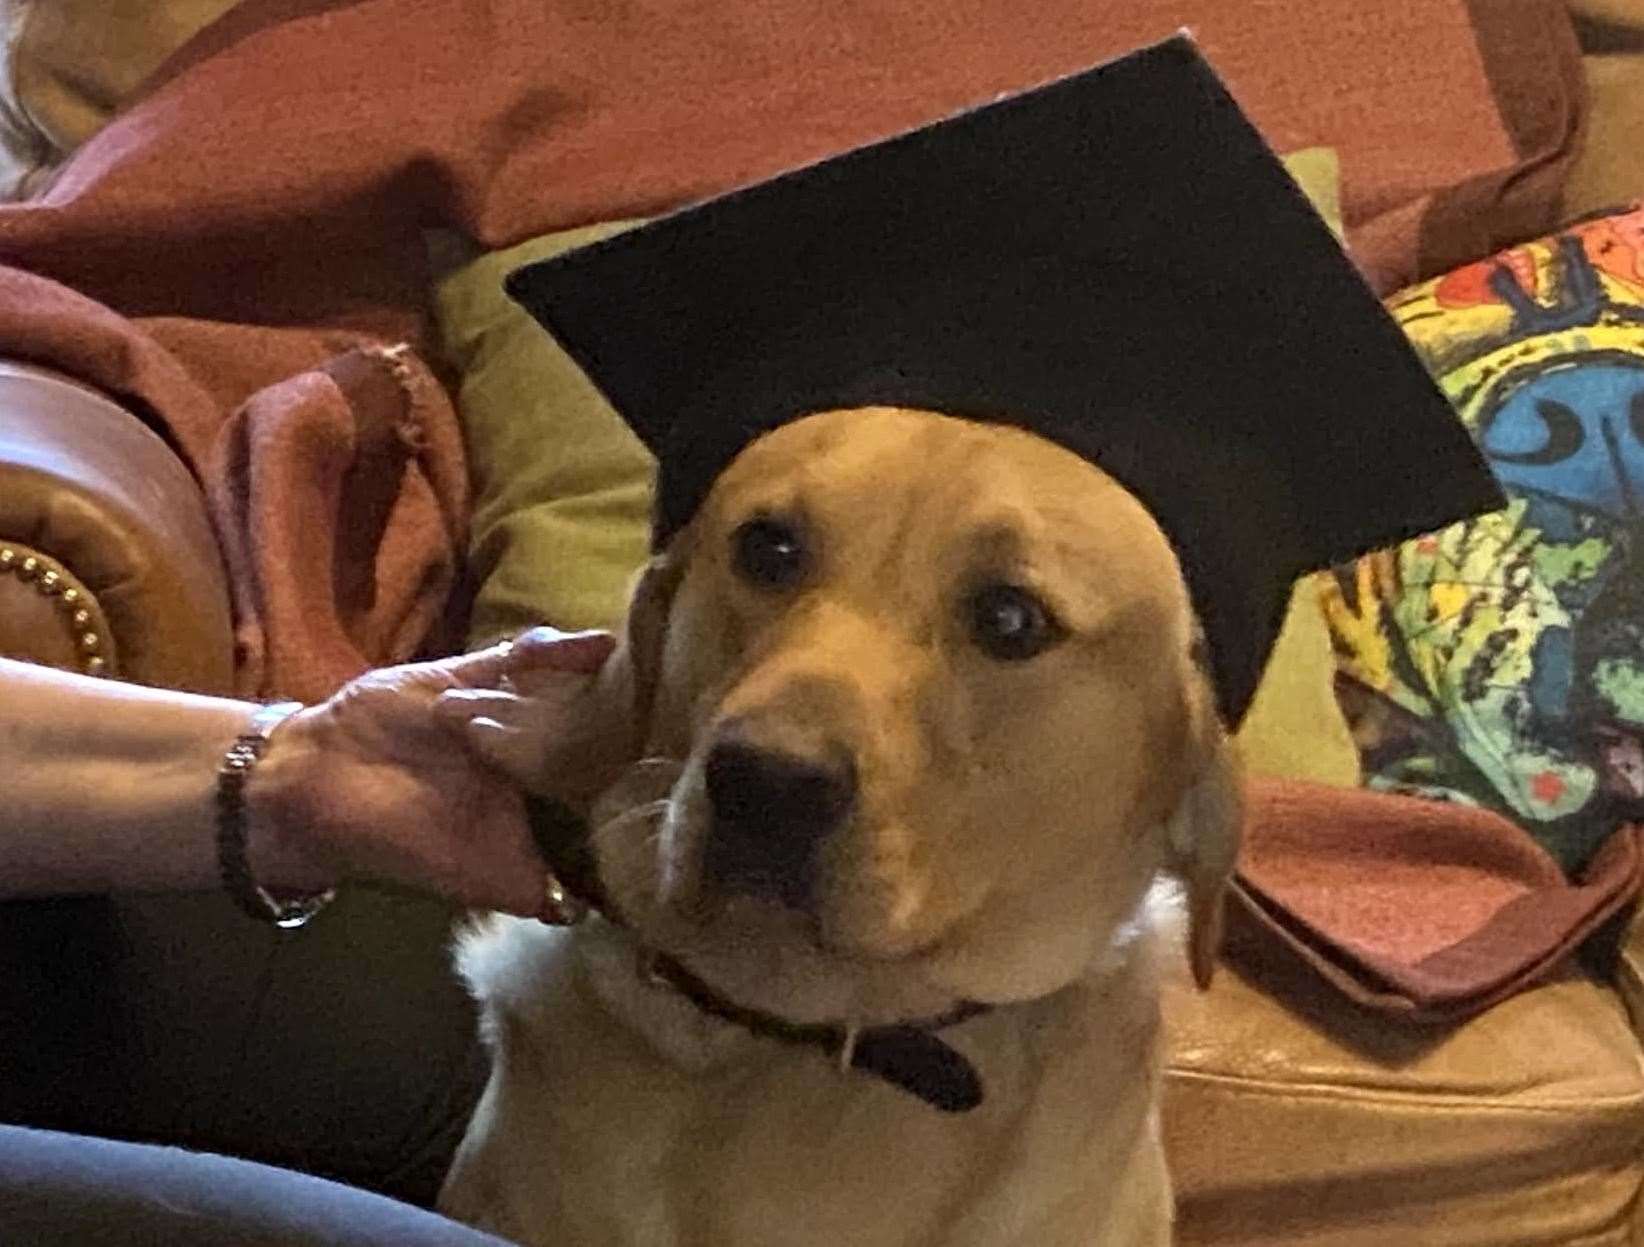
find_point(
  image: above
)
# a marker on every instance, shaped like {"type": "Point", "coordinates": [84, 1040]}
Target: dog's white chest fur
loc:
{"type": "Point", "coordinates": [618, 1115]}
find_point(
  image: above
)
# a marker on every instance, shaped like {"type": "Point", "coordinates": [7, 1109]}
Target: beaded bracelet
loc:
{"type": "Point", "coordinates": [252, 898]}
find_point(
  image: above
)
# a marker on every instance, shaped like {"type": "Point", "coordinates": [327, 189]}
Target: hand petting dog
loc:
{"type": "Point", "coordinates": [370, 785]}
{"type": "Point", "coordinates": [549, 721]}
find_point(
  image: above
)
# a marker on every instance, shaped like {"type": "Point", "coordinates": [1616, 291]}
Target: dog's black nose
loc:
{"type": "Point", "coordinates": [772, 808]}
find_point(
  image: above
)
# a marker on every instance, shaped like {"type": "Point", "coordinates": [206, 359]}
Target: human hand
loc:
{"type": "Point", "coordinates": [377, 783]}
{"type": "Point", "coordinates": [568, 739]}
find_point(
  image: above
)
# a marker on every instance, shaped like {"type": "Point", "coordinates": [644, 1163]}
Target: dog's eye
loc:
{"type": "Point", "coordinates": [770, 553]}
{"type": "Point", "coordinates": [1011, 624]}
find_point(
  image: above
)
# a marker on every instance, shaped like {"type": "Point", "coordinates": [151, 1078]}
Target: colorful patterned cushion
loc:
{"type": "Point", "coordinates": [1501, 661]}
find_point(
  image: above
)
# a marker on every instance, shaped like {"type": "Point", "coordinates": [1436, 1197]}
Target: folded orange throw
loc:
{"type": "Point", "coordinates": [1428, 910]}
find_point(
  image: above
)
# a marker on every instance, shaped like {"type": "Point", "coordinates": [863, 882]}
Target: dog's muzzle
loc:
{"type": "Point", "coordinates": [776, 795]}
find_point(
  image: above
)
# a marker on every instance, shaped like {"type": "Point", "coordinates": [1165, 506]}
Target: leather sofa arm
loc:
{"type": "Point", "coordinates": [102, 1029]}
{"type": "Point", "coordinates": [108, 562]}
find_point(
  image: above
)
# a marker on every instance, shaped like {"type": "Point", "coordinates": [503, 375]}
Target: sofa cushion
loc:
{"type": "Point", "coordinates": [1609, 166]}
{"type": "Point", "coordinates": [1499, 662]}
{"type": "Point", "coordinates": [1294, 727]}
{"type": "Point", "coordinates": [1290, 1118]}
{"type": "Point", "coordinates": [562, 488]}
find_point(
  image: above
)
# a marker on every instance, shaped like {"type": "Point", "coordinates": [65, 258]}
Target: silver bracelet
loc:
{"type": "Point", "coordinates": [252, 898]}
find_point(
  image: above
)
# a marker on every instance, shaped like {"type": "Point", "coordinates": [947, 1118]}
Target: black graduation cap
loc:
{"type": "Point", "coordinates": [1115, 261]}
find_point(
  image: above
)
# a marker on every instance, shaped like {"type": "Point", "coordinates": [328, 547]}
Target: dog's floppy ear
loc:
{"type": "Point", "coordinates": [614, 718]}
{"type": "Point", "coordinates": [1204, 834]}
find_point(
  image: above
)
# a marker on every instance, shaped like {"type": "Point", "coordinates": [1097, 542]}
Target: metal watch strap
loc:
{"type": "Point", "coordinates": [252, 898]}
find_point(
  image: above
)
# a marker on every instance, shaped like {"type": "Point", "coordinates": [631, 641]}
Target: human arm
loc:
{"type": "Point", "coordinates": [111, 787]}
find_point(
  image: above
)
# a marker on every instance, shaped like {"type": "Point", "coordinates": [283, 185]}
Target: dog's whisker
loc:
{"type": "Point", "coordinates": [651, 811]}
{"type": "Point", "coordinates": [847, 1049]}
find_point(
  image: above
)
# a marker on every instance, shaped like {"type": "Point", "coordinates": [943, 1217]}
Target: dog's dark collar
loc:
{"type": "Point", "coordinates": [908, 1055]}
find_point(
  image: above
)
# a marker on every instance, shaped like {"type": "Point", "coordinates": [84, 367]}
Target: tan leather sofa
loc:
{"type": "Point", "coordinates": [108, 563]}
{"type": "Point", "coordinates": [1292, 1116]}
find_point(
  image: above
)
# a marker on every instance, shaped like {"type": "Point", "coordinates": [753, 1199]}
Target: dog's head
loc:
{"type": "Point", "coordinates": [937, 698]}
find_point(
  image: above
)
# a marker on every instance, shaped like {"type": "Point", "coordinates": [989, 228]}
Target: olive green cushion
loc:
{"type": "Point", "coordinates": [562, 489]}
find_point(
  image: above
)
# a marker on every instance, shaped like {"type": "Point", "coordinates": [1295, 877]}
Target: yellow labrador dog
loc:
{"type": "Point", "coordinates": [925, 725]}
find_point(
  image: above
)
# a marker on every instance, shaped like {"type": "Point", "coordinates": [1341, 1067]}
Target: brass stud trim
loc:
{"type": "Point", "coordinates": [51, 583]}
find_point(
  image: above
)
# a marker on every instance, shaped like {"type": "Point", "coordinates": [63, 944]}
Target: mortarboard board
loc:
{"type": "Point", "coordinates": [1115, 261]}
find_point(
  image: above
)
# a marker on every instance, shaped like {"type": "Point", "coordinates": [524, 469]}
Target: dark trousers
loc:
{"type": "Point", "coordinates": [63, 1190]}
{"type": "Point", "coordinates": [346, 1049]}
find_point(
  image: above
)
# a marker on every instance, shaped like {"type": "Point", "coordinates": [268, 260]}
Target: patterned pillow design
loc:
{"type": "Point", "coordinates": [1501, 661]}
